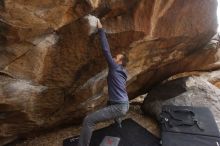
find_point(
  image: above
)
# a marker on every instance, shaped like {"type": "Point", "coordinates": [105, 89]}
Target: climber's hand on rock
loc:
{"type": "Point", "coordinates": [99, 25]}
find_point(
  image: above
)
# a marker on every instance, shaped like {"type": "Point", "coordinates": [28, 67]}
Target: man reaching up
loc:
{"type": "Point", "coordinates": [118, 103]}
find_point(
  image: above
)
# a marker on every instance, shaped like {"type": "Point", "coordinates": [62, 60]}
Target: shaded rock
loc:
{"type": "Point", "coordinates": [187, 91]}
{"type": "Point", "coordinates": [158, 70]}
{"type": "Point", "coordinates": [5, 141]}
{"type": "Point", "coordinates": [18, 106]}
{"type": "Point", "coordinates": [47, 44]}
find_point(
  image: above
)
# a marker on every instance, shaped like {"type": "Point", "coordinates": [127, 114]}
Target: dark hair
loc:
{"type": "Point", "coordinates": [124, 59]}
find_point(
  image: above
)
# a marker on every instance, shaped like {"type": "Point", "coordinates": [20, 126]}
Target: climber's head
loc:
{"type": "Point", "coordinates": [121, 58]}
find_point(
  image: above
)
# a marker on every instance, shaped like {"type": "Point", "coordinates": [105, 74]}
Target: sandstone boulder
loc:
{"type": "Point", "coordinates": [47, 44]}
{"type": "Point", "coordinates": [186, 91]}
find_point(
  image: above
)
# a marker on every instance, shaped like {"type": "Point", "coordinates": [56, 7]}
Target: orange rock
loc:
{"type": "Point", "coordinates": [46, 44]}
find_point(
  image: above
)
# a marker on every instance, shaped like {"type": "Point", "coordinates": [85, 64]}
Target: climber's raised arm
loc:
{"type": "Point", "coordinates": [105, 45]}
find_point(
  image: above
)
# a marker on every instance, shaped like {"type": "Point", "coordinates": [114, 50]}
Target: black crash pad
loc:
{"type": "Point", "coordinates": [131, 134]}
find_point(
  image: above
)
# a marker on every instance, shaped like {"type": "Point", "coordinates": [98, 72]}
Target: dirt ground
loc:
{"type": "Point", "coordinates": [56, 137]}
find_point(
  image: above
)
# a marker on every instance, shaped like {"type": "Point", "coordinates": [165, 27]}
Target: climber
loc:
{"type": "Point", "coordinates": [118, 103]}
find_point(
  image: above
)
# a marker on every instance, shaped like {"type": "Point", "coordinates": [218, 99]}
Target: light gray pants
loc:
{"type": "Point", "coordinates": [111, 112]}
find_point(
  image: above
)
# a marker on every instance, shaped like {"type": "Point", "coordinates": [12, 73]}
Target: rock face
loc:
{"type": "Point", "coordinates": [186, 91]}
{"type": "Point", "coordinates": [51, 68]}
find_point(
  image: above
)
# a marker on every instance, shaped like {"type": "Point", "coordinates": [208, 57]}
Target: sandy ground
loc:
{"type": "Point", "coordinates": [56, 137]}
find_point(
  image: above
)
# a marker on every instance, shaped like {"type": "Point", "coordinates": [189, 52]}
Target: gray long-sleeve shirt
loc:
{"type": "Point", "coordinates": [117, 74]}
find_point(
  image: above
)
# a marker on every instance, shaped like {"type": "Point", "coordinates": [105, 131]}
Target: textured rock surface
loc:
{"type": "Point", "coordinates": [45, 46]}
{"type": "Point", "coordinates": [187, 91]}
{"type": "Point", "coordinates": [55, 137]}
